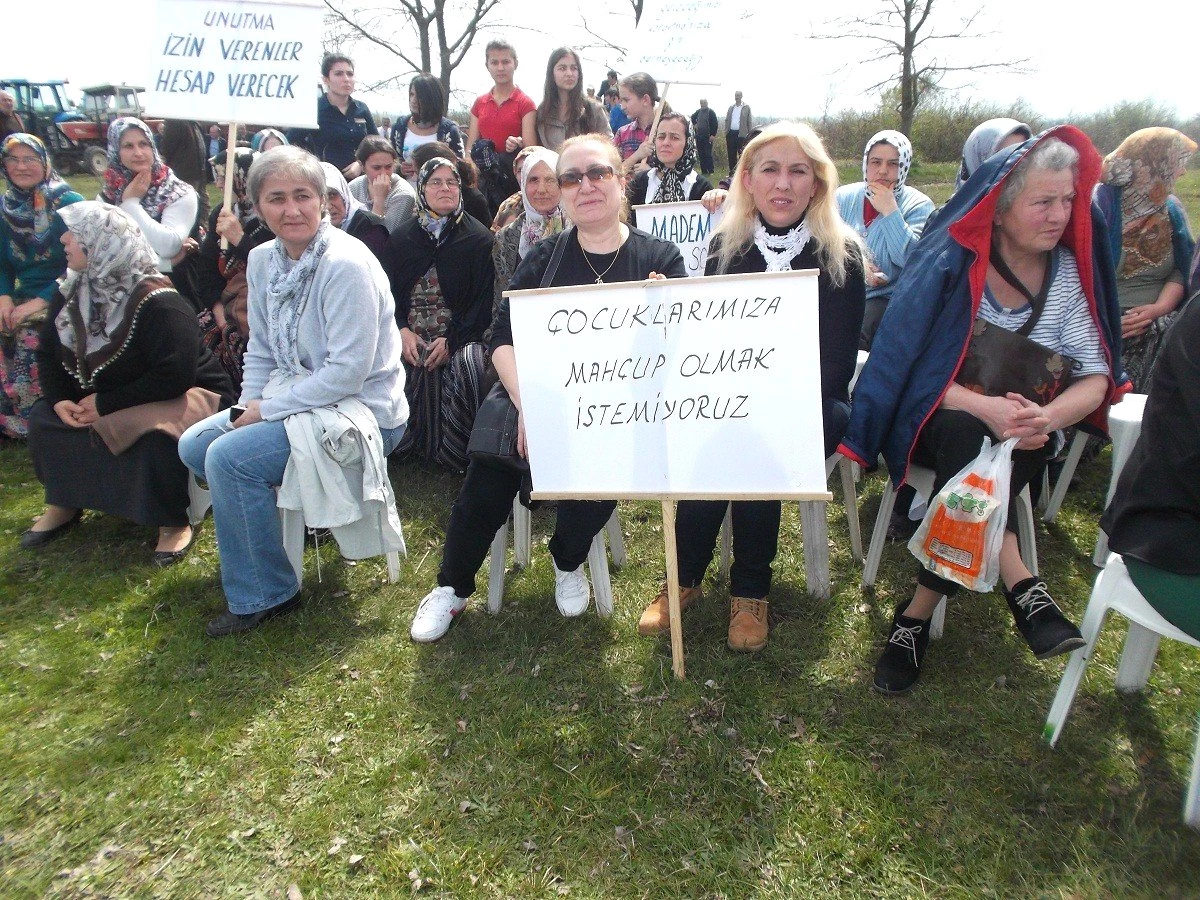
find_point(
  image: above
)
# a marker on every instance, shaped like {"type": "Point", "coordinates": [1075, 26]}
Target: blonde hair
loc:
{"type": "Point", "coordinates": [834, 238]}
{"type": "Point", "coordinates": [611, 154]}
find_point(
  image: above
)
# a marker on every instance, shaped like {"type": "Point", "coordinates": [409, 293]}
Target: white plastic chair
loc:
{"type": "Point", "coordinates": [597, 560]}
{"type": "Point", "coordinates": [1124, 427]}
{"type": "Point", "coordinates": [199, 500]}
{"type": "Point", "coordinates": [291, 522]}
{"type": "Point", "coordinates": [921, 480]}
{"type": "Point", "coordinates": [1054, 504]}
{"type": "Point", "coordinates": [814, 529]}
{"type": "Point", "coordinates": [1114, 591]}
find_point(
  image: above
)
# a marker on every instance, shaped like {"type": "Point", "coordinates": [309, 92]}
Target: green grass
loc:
{"type": "Point", "coordinates": [527, 755]}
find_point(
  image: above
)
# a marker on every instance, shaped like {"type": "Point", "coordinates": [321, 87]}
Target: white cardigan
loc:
{"type": "Point", "coordinates": [167, 236]}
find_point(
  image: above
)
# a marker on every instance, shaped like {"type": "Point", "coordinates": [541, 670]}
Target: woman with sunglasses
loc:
{"type": "Point", "coordinates": [600, 249]}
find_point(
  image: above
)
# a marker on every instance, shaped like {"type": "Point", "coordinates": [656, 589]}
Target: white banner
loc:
{"type": "Point", "coordinates": [705, 387]}
{"type": "Point", "coordinates": [681, 41]}
{"type": "Point", "coordinates": [687, 225]}
{"type": "Point", "coordinates": [236, 61]}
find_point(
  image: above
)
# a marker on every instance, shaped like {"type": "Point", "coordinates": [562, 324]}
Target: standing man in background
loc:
{"type": "Point", "coordinates": [704, 127]}
{"type": "Point", "coordinates": [182, 145]}
{"type": "Point", "coordinates": [738, 123]}
{"type": "Point", "coordinates": [10, 122]}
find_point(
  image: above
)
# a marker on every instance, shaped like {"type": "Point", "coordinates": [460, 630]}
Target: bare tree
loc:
{"type": "Point", "coordinates": [444, 31]}
{"type": "Point", "coordinates": [902, 32]}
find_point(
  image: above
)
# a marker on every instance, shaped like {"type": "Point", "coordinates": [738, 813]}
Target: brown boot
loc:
{"type": "Point", "coordinates": [656, 618]}
{"type": "Point", "coordinates": [747, 624]}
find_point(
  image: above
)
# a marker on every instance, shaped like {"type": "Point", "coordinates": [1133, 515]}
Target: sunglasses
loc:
{"type": "Point", "coordinates": [594, 174]}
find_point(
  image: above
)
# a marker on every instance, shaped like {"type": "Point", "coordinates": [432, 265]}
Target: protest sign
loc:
{"type": "Point", "coordinates": [236, 61]}
{"type": "Point", "coordinates": [677, 41]}
{"type": "Point", "coordinates": [687, 225]}
{"type": "Point", "coordinates": [701, 388]}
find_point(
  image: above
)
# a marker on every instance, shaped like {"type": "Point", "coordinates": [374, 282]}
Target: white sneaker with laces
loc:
{"type": "Point", "coordinates": [435, 614]}
{"type": "Point", "coordinates": [572, 591]}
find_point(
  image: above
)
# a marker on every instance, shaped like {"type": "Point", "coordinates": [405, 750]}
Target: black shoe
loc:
{"type": "Point", "coordinates": [164, 558]}
{"type": "Point", "coordinates": [228, 623]}
{"type": "Point", "coordinates": [899, 665]}
{"type": "Point", "coordinates": [901, 527]}
{"type": "Point", "coordinates": [32, 540]}
{"type": "Point", "coordinates": [1045, 629]}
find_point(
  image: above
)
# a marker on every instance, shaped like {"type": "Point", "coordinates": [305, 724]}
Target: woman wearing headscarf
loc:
{"type": "Point", "coordinates": [540, 216]}
{"type": "Point", "coordinates": [1150, 240]}
{"type": "Point", "coordinates": [31, 262]}
{"type": "Point", "coordinates": [123, 374]}
{"type": "Point", "coordinates": [267, 139]}
{"type": "Point", "coordinates": [988, 139]}
{"type": "Point", "coordinates": [443, 281]}
{"type": "Point", "coordinates": [221, 273]}
{"type": "Point", "coordinates": [140, 183]}
{"type": "Point", "coordinates": [352, 216]}
{"type": "Point", "coordinates": [888, 215]}
{"type": "Point", "coordinates": [672, 175]}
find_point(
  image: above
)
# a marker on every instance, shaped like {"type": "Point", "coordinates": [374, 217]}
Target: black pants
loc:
{"type": "Point", "coordinates": [482, 506]}
{"type": "Point", "coordinates": [704, 148]}
{"type": "Point", "coordinates": [733, 144]}
{"type": "Point", "coordinates": [872, 315]}
{"type": "Point", "coordinates": [755, 526]}
{"type": "Point", "coordinates": [951, 439]}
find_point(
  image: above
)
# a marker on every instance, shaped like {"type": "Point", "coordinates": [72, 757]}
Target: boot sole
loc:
{"type": "Point", "coordinates": [1067, 646]}
{"type": "Point", "coordinates": [748, 648]}
{"type": "Point", "coordinates": [892, 692]}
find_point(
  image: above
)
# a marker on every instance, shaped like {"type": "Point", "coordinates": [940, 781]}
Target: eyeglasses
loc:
{"type": "Point", "coordinates": [451, 183]}
{"type": "Point", "coordinates": [22, 160]}
{"type": "Point", "coordinates": [594, 174]}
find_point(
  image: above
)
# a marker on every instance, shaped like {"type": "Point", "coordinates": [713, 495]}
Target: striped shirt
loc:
{"type": "Point", "coordinates": [1066, 325]}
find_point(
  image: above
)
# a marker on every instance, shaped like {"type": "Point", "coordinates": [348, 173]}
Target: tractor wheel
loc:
{"type": "Point", "coordinates": [96, 159]}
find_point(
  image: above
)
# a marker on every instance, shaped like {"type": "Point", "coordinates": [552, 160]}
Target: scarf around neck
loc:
{"type": "Point", "coordinates": [335, 182]}
{"type": "Point", "coordinates": [289, 283]}
{"type": "Point", "coordinates": [434, 224]}
{"type": "Point", "coordinates": [780, 249]}
{"type": "Point", "coordinates": [30, 213]}
{"type": "Point", "coordinates": [165, 188]}
{"type": "Point", "coordinates": [671, 178]}
{"type": "Point", "coordinates": [537, 227]}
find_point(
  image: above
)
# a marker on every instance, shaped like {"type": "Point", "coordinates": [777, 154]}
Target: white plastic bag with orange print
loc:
{"type": "Point", "coordinates": [960, 536]}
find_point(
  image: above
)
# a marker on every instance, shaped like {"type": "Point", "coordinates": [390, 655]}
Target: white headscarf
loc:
{"type": "Point", "coordinates": [537, 227]}
{"type": "Point", "coordinates": [903, 147]}
{"type": "Point", "coordinates": [335, 181]}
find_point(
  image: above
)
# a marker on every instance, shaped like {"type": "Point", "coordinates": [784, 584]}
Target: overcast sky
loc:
{"type": "Point", "coordinates": [1075, 65]}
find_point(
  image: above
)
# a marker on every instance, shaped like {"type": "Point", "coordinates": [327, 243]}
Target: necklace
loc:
{"type": "Point", "coordinates": [600, 275]}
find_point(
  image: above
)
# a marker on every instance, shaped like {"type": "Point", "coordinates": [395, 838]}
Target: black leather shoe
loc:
{"type": "Point", "coordinates": [32, 540]}
{"type": "Point", "coordinates": [164, 558]}
{"type": "Point", "coordinates": [228, 623]}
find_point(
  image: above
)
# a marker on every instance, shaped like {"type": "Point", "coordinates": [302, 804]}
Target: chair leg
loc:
{"type": "Point", "coordinates": [1100, 554]}
{"type": "Point", "coordinates": [1027, 531]}
{"type": "Point", "coordinates": [616, 541]}
{"type": "Point", "coordinates": [814, 529]}
{"type": "Point", "coordinates": [879, 535]}
{"type": "Point", "coordinates": [496, 569]}
{"type": "Point", "coordinates": [938, 621]}
{"type": "Point", "coordinates": [1093, 621]}
{"type": "Point", "coordinates": [1137, 659]}
{"type": "Point", "coordinates": [598, 569]}
{"type": "Point", "coordinates": [727, 540]}
{"type": "Point", "coordinates": [850, 500]}
{"type": "Point", "coordinates": [522, 534]}
{"type": "Point", "coordinates": [199, 501]}
{"type": "Point", "coordinates": [1191, 803]}
{"type": "Point", "coordinates": [1064, 478]}
{"type": "Point", "coordinates": [291, 523]}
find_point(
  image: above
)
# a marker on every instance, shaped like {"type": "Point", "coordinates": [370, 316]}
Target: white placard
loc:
{"type": "Point", "coordinates": [236, 61]}
{"type": "Point", "coordinates": [696, 387]}
{"type": "Point", "coordinates": [680, 41]}
{"type": "Point", "coordinates": [687, 225]}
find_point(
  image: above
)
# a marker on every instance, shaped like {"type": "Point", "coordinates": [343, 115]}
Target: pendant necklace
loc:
{"type": "Point", "coordinates": [600, 275]}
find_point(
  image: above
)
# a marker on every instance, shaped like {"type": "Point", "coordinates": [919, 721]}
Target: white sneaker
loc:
{"type": "Point", "coordinates": [435, 614]}
{"type": "Point", "coordinates": [572, 592]}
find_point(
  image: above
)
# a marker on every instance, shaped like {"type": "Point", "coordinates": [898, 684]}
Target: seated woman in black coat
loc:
{"type": "Point", "coordinates": [442, 278]}
{"type": "Point", "coordinates": [352, 216]}
{"type": "Point", "coordinates": [474, 202]}
{"type": "Point", "coordinates": [672, 176]}
{"type": "Point", "coordinates": [123, 373]}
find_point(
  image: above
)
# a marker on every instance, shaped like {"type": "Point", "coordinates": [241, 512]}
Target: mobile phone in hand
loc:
{"type": "Point", "coordinates": [235, 412]}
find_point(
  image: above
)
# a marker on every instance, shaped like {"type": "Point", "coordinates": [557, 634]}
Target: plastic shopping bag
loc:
{"type": "Point", "coordinates": [959, 539]}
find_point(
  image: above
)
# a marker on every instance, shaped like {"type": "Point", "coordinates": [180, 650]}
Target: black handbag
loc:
{"type": "Point", "coordinates": [494, 433]}
{"type": "Point", "coordinates": [1000, 361]}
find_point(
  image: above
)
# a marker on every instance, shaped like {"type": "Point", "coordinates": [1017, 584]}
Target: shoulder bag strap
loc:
{"type": "Point", "coordinates": [556, 257]}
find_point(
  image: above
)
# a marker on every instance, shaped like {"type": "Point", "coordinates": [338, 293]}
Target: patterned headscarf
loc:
{"type": "Point", "coordinates": [1145, 167]}
{"type": "Point", "coordinates": [903, 147]}
{"type": "Point", "coordinates": [536, 226]}
{"type": "Point", "coordinates": [164, 188]}
{"type": "Point", "coordinates": [256, 142]}
{"type": "Point", "coordinates": [243, 158]}
{"type": "Point", "coordinates": [30, 214]}
{"type": "Point", "coordinates": [335, 182]}
{"type": "Point", "coordinates": [94, 320]}
{"type": "Point", "coordinates": [983, 143]}
{"type": "Point", "coordinates": [431, 221]}
{"type": "Point", "coordinates": [670, 185]}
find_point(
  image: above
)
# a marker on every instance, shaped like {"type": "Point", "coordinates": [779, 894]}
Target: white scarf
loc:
{"type": "Point", "coordinates": [780, 249]}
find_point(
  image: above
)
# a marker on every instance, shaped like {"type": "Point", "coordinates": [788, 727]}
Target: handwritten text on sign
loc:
{"type": "Point", "coordinates": [234, 61]}
{"type": "Point", "coordinates": [687, 225]}
{"type": "Point", "coordinates": [686, 387]}
{"type": "Point", "coordinates": [678, 41]}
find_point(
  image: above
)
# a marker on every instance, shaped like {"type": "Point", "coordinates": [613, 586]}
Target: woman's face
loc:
{"type": "Point", "coordinates": [340, 80]}
{"type": "Point", "coordinates": [782, 182]}
{"type": "Point", "coordinates": [24, 168]}
{"type": "Point", "coordinates": [337, 209]}
{"type": "Point", "coordinates": [136, 153]}
{"type": "Point", "coordinates": [378, 164]}
{"type": "Point", "coordinates": [541, 189]}
{"type": "Point", "coordinates": [292, 210]}
{"type": "Point", "coordinates": [566, 72]}
{"type": "Point", "coordinates": [596, 201]}
{"type": "Point", "coordinates": [414, 105]}
{"type": "Point", "coordinates": [442, 190]}
{"type": "Point", "coordinates": [669, 141]}
{"type": "Point", "coordinates": [1039, 215]}
{"type": "Point", "coordinates": [76, 256]}
{"type": "Point", "coordinates": [883, 165]}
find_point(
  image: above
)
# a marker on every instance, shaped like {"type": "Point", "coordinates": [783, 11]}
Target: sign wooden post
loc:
{"type": "Point", "coordinates": [230, 162]}
{"type": "Point", "coordinates": [674, 612]}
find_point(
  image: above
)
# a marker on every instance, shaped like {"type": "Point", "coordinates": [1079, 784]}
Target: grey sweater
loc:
{"type": "Point", "coordinates": [348, 337]}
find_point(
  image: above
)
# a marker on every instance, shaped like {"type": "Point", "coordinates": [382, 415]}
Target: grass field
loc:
{"type": "Point", "coordinates": [525, 755]}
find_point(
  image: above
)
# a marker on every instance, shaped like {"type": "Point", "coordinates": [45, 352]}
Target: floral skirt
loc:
{"type": "Point", "coordinates": [19, 384]}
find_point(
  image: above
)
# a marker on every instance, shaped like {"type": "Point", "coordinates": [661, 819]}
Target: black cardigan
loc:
{"type": "Point", "coordinates": [465, 273]}
{"type": "Point", "coordinates": [162, 360]}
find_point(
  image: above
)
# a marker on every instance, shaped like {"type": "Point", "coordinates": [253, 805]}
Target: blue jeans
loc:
{"type": "Point", "coordinates": [243, 466]}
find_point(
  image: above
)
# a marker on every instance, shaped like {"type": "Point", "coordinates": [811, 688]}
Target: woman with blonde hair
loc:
{"type": "Point", "coordinates": [780, 215]}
